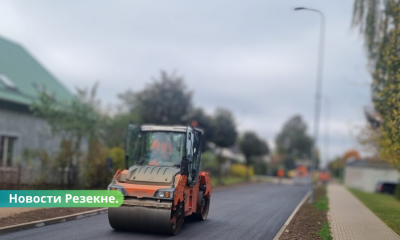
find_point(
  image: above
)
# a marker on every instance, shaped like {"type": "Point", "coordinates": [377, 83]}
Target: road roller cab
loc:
{"type": "Point", "coordinates": [162, 183]}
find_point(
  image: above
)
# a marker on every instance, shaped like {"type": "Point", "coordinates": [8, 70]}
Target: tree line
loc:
{"type": "Point", "coordinates": [165, 100]}
{"type": "Point", "coordinates": [379, 23]}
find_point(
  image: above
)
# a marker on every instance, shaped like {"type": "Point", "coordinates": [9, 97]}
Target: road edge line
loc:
{"type": "Point", "coordinates": [41, 223]}
{"type": "Point", "coordinates": [278, 235]}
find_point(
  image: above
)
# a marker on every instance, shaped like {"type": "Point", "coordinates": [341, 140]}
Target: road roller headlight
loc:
{"type": "Point", "coordinates": [118, 188]}
{"type": "Point", "coordinates": [165, 193]}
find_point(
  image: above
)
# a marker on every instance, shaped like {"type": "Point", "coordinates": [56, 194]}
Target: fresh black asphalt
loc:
{"type": "Point", "coordinates": [246, 212]}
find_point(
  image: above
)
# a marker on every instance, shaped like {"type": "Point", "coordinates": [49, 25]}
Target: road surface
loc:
{"type": "Point", "coordinates": [246, 212]}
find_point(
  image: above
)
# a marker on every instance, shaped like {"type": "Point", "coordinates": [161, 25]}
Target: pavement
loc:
{"type": "Point", "coordinates": [247, 212]}
{"type": "Point", "coordinates": [351, 219]}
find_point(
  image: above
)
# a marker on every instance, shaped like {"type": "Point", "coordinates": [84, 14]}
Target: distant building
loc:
{"type": "Point", "coordinates": [228, 154]}
{"type": "Point", "coordinates": [303, 162]}
{"type": "Point", "coordinates": [232, 155]}
{"type": "Point", "coordinates": [365, 175]}
{"type": "Point", "coordinates": [22, 78]}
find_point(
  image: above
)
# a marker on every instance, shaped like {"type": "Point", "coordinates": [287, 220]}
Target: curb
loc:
{"type": "Point", "coordinates": [50, 221]}
{"type": "Point", "coordinates": [278, 235]}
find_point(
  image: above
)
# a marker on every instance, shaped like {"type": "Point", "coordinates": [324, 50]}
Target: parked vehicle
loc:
{"type": "Point", "coordinates": [386, 187]}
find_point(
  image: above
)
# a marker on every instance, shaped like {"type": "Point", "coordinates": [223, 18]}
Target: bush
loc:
{"type": "Point", "coordinates": [260, 168]}
{"type": "Point", "coordinates": [118, 156]}
{"type": "Point", "coordinates": [209, 162]}
{"type": "Point", "coordinates": [397, 192]}
{"type": "Point", "coordinates": [239, 170]}
{"type": "Point", "coordinates": [93, 169]}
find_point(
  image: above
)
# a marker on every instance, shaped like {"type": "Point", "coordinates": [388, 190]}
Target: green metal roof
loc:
{"type": "Point", "coordinates": [27, 75]}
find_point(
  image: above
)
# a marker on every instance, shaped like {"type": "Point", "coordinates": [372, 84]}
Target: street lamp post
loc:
{"type": "Point", "coordinates": [317, 95]}
{"type": "Point", "coordinates": [327, 125]}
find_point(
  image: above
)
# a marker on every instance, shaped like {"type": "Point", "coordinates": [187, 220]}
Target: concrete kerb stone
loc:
{"type": "Point", "coordinates": [278, 235]}
{"type": "Point", "coordinates": [50, 221]}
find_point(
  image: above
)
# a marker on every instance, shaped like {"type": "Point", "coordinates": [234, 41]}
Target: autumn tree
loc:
{"type": "Point", "coordinates": [379, 22]}
{"type": "Point", "coordinates": [351, 155]}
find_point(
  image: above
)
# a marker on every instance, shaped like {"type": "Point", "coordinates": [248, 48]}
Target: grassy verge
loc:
{"type": "Point", "coordinates": [325, 232]}
{"type": "Point", "coordinates": [230, 180]}
{"type": "Point", "coordinates": [386, 207]}
{"type": "Point", "coordinates": [311, 221]}
{"type": "Point", "coordinates": [226, 181]}
{"type": "Point", "coordinates": [322, 204]}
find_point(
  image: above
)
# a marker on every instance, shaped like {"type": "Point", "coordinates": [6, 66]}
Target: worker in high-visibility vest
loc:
{"type": "Point", "coordinates": [324, 177]}
{"type": "Point", "coordinates": [280, 174]}
{"type": "Point", "coordinates": [162, 150]}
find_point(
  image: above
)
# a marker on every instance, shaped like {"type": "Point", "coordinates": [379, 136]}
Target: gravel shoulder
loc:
{"type": "Point", "coordinates": [311, 221]}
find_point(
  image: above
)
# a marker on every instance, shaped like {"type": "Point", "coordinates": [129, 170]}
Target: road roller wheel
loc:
{"type": "Point", "coordinates": [177, 219]}
{"type": "Point", "coordinates": [203, 207]}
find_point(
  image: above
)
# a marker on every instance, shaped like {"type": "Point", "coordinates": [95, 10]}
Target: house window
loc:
{"type": "Point", "coordinates": [7, 147]}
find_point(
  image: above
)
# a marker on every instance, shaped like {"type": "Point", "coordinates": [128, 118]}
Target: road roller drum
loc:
{"type": "Point", "coordinates": [140, 219]}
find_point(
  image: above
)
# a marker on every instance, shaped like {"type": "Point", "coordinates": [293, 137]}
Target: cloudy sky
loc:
{"type": "Point", "coordinates": [257, 58]}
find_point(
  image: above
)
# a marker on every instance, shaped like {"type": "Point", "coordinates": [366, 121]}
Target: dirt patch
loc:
{"type": "Point", "coordinates": [40, 214]}
{"type": "Point", "coordinates": [309, 220]}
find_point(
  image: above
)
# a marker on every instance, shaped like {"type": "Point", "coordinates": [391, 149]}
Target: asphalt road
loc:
{"type": "Point", "coordinates": [247, 212]}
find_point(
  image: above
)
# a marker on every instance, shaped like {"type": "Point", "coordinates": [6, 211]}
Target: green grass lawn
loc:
{"type": "Point", "coordinates": [226, 180]}
{"type": "Point", "coordinates": [386, 207]}
{"type": "Point", "coordinates": [325, 232]}
{"type": "Point", "coordinates": [322, 204]}
{"type": "Point", "coordinates": [229, 180]}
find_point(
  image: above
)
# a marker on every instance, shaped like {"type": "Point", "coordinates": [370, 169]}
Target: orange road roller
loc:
{"type": "Point", "coordinates": [162, 183]}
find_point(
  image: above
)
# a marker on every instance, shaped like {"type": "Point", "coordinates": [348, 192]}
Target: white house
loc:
{"type": "Point", "coordinates": [365, 175]}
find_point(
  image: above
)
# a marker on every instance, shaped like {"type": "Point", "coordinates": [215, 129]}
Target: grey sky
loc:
{"type": "Point", "coordinates": [257, 58]}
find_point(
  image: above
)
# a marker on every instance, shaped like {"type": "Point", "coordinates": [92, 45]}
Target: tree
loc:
{"type": "Point", "coordinates": [114, 129]}
{"type": "Point", "coordinates": [165, 101]}
{"type": "Point", "coordinates": [199, 118]}
{"type": "Point", "coordinates": [293, 139]}
{"type": "Point", "coordinates": [72, 122]}
{"type": "Point", "coordinates": [224, 134]}
{"type": "Point", "coordinates": [369, 135]}
{"type": "Point", "coordinates": [379, 22]}
{"type": "Point", "coordinates": [224, 128]}
{"type": "Point", "coordinates": [351, 154]}
{"type": "Point", "coordinates": [336, 167]}
{"type": "Point", "coordinates": [252, 146]}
